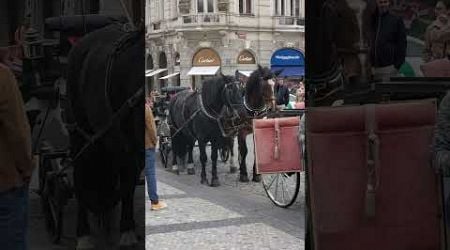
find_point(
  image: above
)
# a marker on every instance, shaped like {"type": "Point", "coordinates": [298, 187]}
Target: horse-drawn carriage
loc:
{"type": "Point", "coordinates": [220, 113]}
{"type": "Point", "coordinates": [74, 159]}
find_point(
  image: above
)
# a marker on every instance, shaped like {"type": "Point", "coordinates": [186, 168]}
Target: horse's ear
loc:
{"type": "Point", "coordinates": [260, 68]}
{"type": "Point", "coordinates": [236, 74]}
{"type": "Point", "coordinates": [277, 72]}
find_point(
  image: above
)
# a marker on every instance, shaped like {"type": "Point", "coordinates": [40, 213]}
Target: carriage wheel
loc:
{"type": "Point", "coordinates": [224, 154]}
{"type": "Point", "coordinates": [51, 207]}
{"type": "Point", "coordinates": [282, 188]}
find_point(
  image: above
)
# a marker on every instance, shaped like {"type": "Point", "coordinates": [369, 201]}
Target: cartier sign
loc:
{"type": "Point", "coordinates": [245, 57]}
{"type": "Point", "coordinates": [206, 57]}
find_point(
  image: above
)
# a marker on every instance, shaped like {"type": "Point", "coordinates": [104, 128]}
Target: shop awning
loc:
{"type": "Point", "coordinates": [203, 71]}
{"type": "Point", "coordinates": [246, 73]}
{"type": "Point", "coordinates": [169, 76]}
{"type": "Point", "coordinates": [154, 72]}
{"type": "Point", "coordinates": [290, 71]}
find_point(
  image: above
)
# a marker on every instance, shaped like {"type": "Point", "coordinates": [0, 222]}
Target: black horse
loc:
{"type": "Point", "coordinates": [207, 116]}
{"type": "Point", "coordinates": [105, 88]}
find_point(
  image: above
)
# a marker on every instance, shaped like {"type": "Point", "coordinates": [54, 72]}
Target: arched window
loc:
{"type": "Point", "coordinates": [149, 63]}
{"type": "Point", "coordinates": [177, 59]}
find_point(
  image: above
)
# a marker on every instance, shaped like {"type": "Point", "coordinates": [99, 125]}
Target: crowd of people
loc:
{"type": "Point", "coordinates": [436, 54]}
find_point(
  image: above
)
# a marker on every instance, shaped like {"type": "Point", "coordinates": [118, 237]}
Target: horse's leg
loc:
{"type": "Point", "coordinates": [214, 178]}
{"type": "Point", "coordinates": [84, 240]}
{"type": "Point", "coordinates": [190, 167]}
{"type": "Point", "coordinates": [242, 144]}
{"type": "Point", "coordinates": [233, 168]}
{"type": "Point", "coordinates": [203, 157]}
{"type": "Point", "coordinates": [174, 161]}
{"type": "Point", "coordinates": [256, 177]}
{"type": "Point", "coordinates": [127, 223]}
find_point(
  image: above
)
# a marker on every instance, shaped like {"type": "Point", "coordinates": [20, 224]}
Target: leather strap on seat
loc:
{"type": "Point", "coordinates": [276, 153]}
{"type": "Point", "coordinates": [372, 161]}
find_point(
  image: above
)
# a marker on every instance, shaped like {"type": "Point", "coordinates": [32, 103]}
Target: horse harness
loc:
{"type": "Point", "coordinates": [125, 108]}
{"type": "Point", "coordinates": [223, 115]}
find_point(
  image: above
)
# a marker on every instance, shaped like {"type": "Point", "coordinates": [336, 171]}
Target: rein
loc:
{"type": "Point", "coordinates": [217, 119]}
{"type": "Point", "coordinates": [130, 103]}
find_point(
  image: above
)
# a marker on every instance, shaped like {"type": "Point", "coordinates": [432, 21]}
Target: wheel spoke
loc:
{"type": "Point", "coordinates": [276, 186]}
{"type": "Point", "coordinates": [282, 192]}
{"type": "Point", "coordinates": [273, 179]}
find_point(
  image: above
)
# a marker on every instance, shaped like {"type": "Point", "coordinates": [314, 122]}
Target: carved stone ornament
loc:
{"type": "Point", "coordinates": [222, 5]}
{"type": "Point", "coordinates": [184, 6]}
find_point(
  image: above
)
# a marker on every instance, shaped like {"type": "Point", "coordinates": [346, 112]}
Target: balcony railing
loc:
{"type": "Point", "coordinates": [289, 21]}
{"type": "Point", "coordinates": [222, 19]}
{"type": "Point", "coordinates": [203, 19]}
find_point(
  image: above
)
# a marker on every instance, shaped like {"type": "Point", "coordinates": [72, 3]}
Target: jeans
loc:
{"type": "Point", "coordinates": [150, 174]}
{"type": "Point", "coordinates": [14, 218]}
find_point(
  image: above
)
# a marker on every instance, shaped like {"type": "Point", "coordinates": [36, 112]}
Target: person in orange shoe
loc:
{"type": "Point", "coordinates": [150, 145]}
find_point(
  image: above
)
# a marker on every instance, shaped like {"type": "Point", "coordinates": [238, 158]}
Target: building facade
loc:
{"type": "Point", "coordinates": [190, 40]}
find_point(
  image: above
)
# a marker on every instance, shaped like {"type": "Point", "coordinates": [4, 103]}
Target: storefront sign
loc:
{"type": "Point", "coordinates": [245, 57]}
{"type": "Point", "coordinates": [287, 57]}
{"type": "Point", "coordinates": [290, 61]}
{"type": "Point", "coordinates": [206, 57]}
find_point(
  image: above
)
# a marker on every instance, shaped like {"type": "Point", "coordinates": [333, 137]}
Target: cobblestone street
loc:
{"type": "Point", "coordinates": [233, 216]}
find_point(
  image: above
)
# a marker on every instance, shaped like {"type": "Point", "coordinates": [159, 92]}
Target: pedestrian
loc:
{"type": "Point", "coordinates": [282, 94]}
{"type": "Point", "coordinates": [150, 145]}
{"type": "Point", "coordinates": [16, 163]}
{"type": "Point", "coordinates": [299, 98]}
{"type": "Point", "coordinates": [434, 45]}
{"type": "Point", "coordinates": [387, 42]}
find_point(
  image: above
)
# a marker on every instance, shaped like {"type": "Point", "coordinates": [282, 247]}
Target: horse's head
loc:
{"type": "Point", "coordinates": [232, 97]}
{"type": "Point", "coordinates": [259, 91]}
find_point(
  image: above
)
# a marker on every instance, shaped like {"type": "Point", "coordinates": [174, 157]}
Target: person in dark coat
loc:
{"type": "Point", "coordinates": [387, 42]}
{"type": "Point", "coordinates": [282, 95]}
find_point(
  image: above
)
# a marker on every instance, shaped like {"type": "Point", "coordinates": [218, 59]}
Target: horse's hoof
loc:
{"type": "Point", "coordinates": [204, 181]}
{"type": "Point", "coordinates": [215, 183]}
{"type": "Point", "coordinates": [128, 239]}
{"type": "Point", "coordinates": [177, 172]}
{"type": "Point", "coordinates": [191, 171]}
{"type": "Point", "coordinates": [243, 178]}
{"type": "Point", "coordinates": [233, 169]}
{"type": "Point", "coordinates": [257, 178]}
{"type": "Point", "coordinates": [84, 243]}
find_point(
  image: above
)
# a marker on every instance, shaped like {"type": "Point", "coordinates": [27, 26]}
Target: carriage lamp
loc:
{"type": "Point", "coordinates": [33, 45]}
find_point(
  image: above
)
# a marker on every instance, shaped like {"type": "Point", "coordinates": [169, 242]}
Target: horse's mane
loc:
{"type": "Point", "coordinates": [212, 87]}
{"type": "Point", "coordinates": [254, 84]}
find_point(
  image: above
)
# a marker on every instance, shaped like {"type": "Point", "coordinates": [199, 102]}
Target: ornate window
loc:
{"type": "Point", "coordinates": [245, 6]}
{"type": "Point", "coordinates": [205, 6]}
{"type": "Point", "coordinates": [287, 8]}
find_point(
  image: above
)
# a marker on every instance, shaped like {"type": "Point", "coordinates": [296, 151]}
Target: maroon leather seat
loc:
{"type": "Point", "coordinates": [389, 143]}
{"type": "Point", "coordinates": [277, 147]}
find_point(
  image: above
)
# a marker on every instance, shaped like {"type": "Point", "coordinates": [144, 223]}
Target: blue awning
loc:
{"type": "Point", "coordinates": [290, 70]}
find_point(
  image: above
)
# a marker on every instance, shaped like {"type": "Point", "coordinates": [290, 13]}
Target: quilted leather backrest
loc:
{"type": "Point", "coordinates": [406, 196]}
{"type": "Point", "coordinates": [277, 147]}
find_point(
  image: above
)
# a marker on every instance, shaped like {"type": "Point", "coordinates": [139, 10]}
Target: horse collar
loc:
{"type": "Point", "coordinates": [255, 112]}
